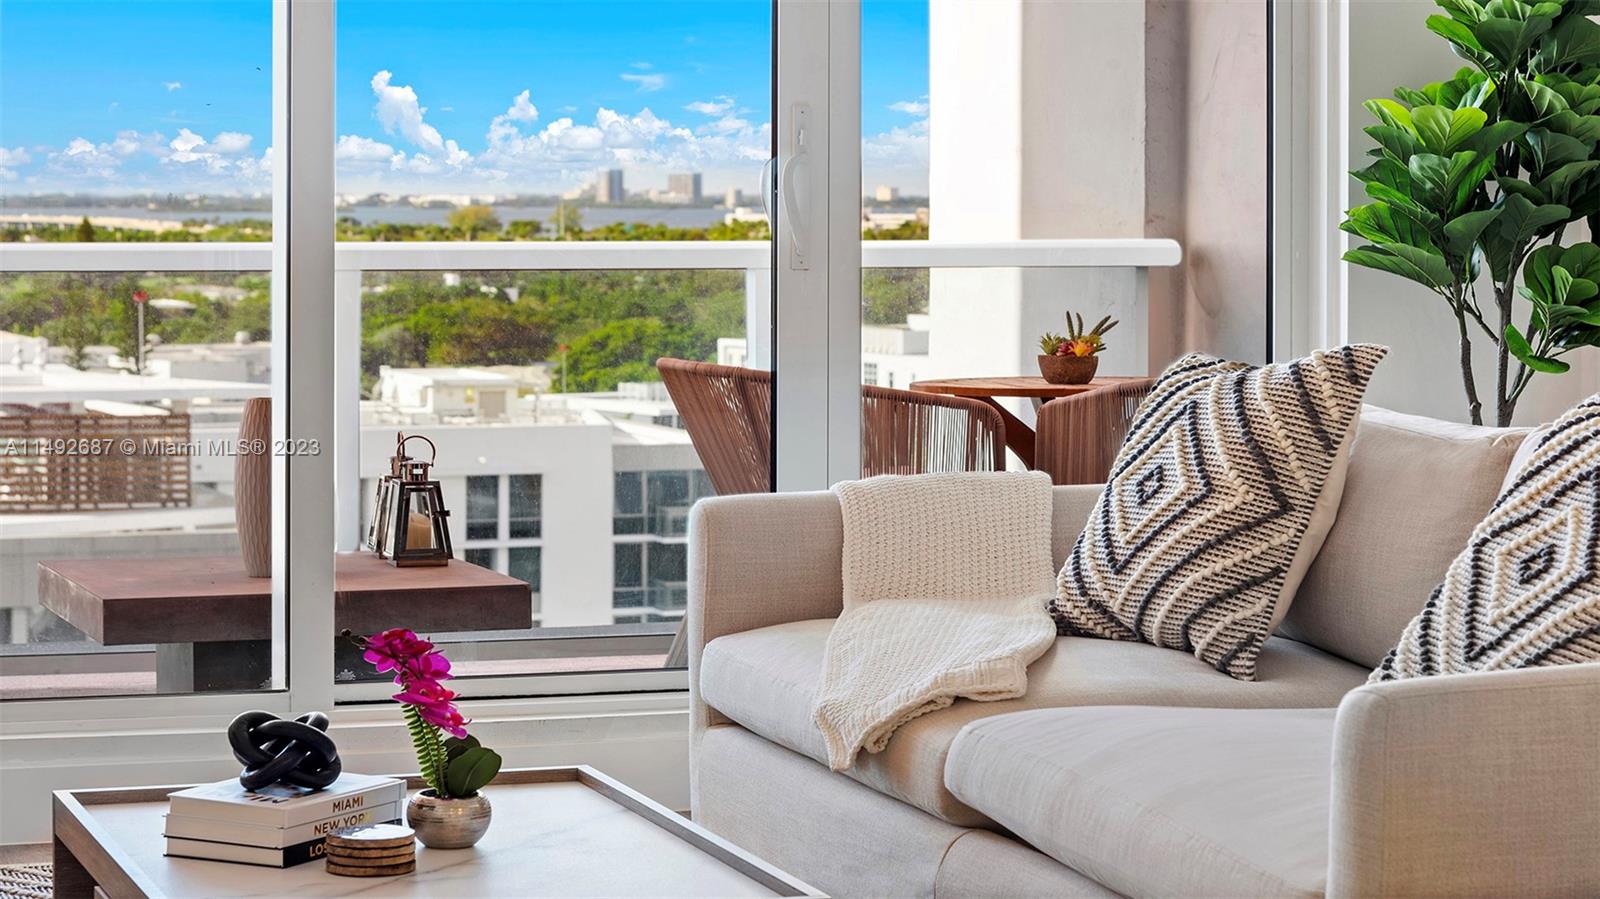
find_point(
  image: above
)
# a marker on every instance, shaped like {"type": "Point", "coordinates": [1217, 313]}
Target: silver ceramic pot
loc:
{"type": "Point", "coordinates": [448, 823]}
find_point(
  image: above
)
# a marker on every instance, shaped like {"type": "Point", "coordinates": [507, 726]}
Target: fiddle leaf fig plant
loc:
{"type": "Point", "coordinates": [1474, 182]}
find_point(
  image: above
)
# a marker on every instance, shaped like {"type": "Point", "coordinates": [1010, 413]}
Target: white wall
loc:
{"type": "Point", "coordinates": [1390, 46]}
{"type": "Point", "coordinates": [575, 460]}
{"type": "Point", "coordinates": [1041, 140]}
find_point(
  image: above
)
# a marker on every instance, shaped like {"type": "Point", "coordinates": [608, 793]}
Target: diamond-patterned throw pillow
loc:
{"type": "Point", "coordinates": [1526, 590]}
{"type": "Point", "coordinates": [1218, 501]}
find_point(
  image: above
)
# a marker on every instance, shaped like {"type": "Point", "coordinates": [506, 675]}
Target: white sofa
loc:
{"type": "Point", "coordinates": [1133, 770]}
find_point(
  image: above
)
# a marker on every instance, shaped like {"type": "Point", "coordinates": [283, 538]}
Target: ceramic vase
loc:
{"type": "Point", "coordinates": [252, 487]}
{"type": "Point", "coordinates": [1068, 369]}
{"type": "Point", "coordinates": [448, 823]}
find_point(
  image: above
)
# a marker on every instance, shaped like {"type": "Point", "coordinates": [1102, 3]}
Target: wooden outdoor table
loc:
{"type": "Point", "coordinates": [212, 624]}
{"type": "Point", "coordinates": [1019, 437]}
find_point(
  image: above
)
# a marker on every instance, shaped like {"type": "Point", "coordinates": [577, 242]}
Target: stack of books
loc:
{"type": "Point", "coordinates": [277, 826]}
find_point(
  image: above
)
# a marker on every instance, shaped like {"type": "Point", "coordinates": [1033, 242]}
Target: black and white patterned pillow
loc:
{"type": "Point", "coordinates": [1526, 590]}
{"type": "Point", "coordinates": [1218, 501]}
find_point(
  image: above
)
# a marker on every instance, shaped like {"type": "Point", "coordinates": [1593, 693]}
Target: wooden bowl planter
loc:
{"type": "Point", "coordinates": [1068, 369]}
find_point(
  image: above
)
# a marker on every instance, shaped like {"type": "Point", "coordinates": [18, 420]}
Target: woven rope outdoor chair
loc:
{"type": "Point", "coordinates": [1078, 436]}
{"type": "Point", "coordinates": [727, 411]}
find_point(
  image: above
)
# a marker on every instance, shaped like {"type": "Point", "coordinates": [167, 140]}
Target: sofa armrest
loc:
{"type": "Point", "coordinates": [1468, 785]}
{"type": "Point", "coordinates": [759, 559]}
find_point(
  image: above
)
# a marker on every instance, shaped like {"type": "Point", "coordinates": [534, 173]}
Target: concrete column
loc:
{"type": "Point", "coordinates": [1048, 143]}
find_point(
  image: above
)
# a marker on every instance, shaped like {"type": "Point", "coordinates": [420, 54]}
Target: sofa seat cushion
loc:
{"type": "Point", "coordinates": [764, 680]}
{"type": "Point", "coordinates": [1160, 801]}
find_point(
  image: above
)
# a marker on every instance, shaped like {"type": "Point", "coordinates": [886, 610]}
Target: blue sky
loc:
{"type": "Point", "coordinates": [432, 96]}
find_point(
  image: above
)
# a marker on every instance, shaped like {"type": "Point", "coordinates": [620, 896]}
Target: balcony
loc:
{"type": "Point", "coordinates": [554, 457]}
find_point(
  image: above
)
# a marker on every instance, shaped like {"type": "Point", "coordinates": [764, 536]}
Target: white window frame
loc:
{"type": "Point", "coordinates": [302, 409]}
{"type": "Point", "coordinates": [1310, 190]}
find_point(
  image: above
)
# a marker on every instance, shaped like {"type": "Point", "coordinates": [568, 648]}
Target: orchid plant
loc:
{"type": "Point", "coordinates": [455, 766]}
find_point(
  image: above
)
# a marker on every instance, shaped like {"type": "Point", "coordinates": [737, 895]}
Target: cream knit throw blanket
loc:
{"type": "Point", "coordinates": [946, 578]}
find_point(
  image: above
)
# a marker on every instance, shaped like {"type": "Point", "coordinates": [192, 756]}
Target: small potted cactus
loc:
{"type": "Point", "coordinates": [1072, 358]}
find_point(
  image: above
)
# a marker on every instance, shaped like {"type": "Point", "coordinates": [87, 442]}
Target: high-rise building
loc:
{"type": "Point", "coordinates": [608, 186]}
{"type": "Point", "coordinates": [886, 194]}
{"type": "Point", "coordinates": [685, 186]}
{"type": "Point", "coordinates": [733, 198]}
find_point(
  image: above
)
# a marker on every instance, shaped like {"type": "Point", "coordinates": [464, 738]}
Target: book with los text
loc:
{"type": "Point", "coordinates": [268, 837]}
{"type": "Point", "coordinates": [272, 857]}
{"type": "Point", "coordinates": [282, 807]}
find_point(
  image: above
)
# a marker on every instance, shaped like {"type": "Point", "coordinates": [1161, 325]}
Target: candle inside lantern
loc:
{"type": "Point", "coordinates": [419, 531]}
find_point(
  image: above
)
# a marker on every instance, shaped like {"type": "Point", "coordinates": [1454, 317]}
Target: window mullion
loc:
{"type": "Point", "coordinates": [303, 357]}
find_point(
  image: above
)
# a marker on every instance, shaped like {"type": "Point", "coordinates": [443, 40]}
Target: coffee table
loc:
{"type": "Point", "coordinates": [568, 831]}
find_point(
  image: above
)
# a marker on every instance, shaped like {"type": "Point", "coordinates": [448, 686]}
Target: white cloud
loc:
{"type": "Point", "coordinates": [647, 83]}
{"type": "Point", "coordinates": [642, 66]}
{"type": "Point", "coordinates": [911, 107]}
{"type": "Point", "coordinates": [172, 85]}
{"type": "Point", "coordinates": [522, 109]}
{"type": "Point", "coordinates": [12, 159]}
{"type": "Point", "coordinates": [399, 112]}
{"type": "Point", "coordinates": [730, 124]}
{"type": "Point", "coordinates": [716, 107]}
{"type": "Point", "coordinates": [186, 147]}
{"type": "Point", "coordinates": [230, 142]}
{"type": "Point", "coordinates": [356, 148]}
{"type": "Point", "coordinates": [84, 157]}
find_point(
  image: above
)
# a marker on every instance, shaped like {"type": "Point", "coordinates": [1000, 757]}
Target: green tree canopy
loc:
{"type": "Point", "coordinates": [474, 220]}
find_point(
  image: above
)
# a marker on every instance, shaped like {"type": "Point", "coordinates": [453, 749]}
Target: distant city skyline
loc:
{"type": "Point", "coordinates": [470, 97]}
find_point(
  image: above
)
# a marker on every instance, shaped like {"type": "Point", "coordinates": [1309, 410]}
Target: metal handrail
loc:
{"type": "Point", "coordinates": [548, 255]}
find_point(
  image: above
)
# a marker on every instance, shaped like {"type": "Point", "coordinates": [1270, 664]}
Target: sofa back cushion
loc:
{"type": "Point", "coordinates": [1414, 490]}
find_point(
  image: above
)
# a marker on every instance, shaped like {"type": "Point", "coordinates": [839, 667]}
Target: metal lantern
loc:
{"type": "Point", "coordinates": [409, 522]}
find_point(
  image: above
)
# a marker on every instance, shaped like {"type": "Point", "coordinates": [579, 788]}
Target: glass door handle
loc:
{"type": "Point", "coordinates": [792, 200]}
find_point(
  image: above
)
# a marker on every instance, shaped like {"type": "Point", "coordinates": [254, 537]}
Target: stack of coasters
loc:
{"type": "Point", "coordinates": [372, 850]}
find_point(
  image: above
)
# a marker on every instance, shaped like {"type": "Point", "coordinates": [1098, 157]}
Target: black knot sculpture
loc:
{"type": "Point", "coordinates": [273, 750]}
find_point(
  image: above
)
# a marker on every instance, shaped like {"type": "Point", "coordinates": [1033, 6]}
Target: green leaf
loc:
{"type": "Point", "coordinates": [1560, 183]}
{"type": "Point", "coordinates": [1430, 178]}
{"type": "Point", "coordinates": [454, 746]}
{"type": "Point", "coordinates": [1461, 232]}
{"type": "Point", "coordinates": [1494, 136]}
{"type": "Point", "coordinates": [1433, 126]}
{"type": "Point", "coordinates": [1507, 39]}
{"type": "Point", "coordinates": [1379, 223]}
{"type": "Point", "coordinates": [1546, 102]}
{"type": "Point", "coordinates": [1464, 123]}
{"type": "Point", "coordinates": [1574, 41]}
{"type": "Point", "coordinates": [1523, 189]}
{"type": "Point", "coordinates": [1399, 143]}
{"type": "Point", "coordinates": [1582, 128]}
{"type": "Point", "coordinates": [1455, 32]}
{"type": "Point", "coordinates": [1539, 275]}
{"type": "Point", "coordinates": [1390, 112]}
{"type": "Point", "coordinates": [1427, 260]}
{"type": "Point", "coordinates": [1376, 258]}
{"type": "Point", "coordinates": [1520, 220]}
{"type": "Point", "coordinates": [1553, 149]}
{"type": "Point", "coordinates": [1412, 97]}
{"type": "Point", "coordinates": [1582, 290]}
{"type": "Point", "coordinates": [471, 771]}
{"type": "Point", "coordinates": [1467, 12]}
{"type": "Point", "coordinates": [1583, 260]}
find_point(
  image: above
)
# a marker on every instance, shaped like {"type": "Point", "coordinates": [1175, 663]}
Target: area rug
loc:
{"type": "Point", "coordinates": [25, 881]}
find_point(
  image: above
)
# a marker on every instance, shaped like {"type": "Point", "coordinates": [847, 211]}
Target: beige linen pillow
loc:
{"type": "Point", "coordinates": [1526, 590]}
{"type": "Point", "coordinates": [1218, 501]}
